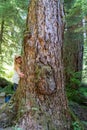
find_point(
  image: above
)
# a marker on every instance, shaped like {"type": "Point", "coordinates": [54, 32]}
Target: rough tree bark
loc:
{"type": "Point", "coordinates": [43, 85]}
{"type": "Point", "coordinates": [40, 102]}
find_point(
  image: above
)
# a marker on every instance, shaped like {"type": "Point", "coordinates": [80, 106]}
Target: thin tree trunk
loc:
{"type": "Point", "coordinates": [1, 35]}
{"type": "Point", "coordinates": [73, 55]}
{"type": "Point", "coordinates": [73, 47]}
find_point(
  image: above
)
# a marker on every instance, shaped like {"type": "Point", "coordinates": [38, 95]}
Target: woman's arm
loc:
{"type": "Point", "coordinates": [19, 72]}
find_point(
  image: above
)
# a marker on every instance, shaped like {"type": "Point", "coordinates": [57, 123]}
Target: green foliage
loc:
{"type": "Point", "coordinates": [76, 126]}
{"type": "Point", "coordinates": [9, 75]}
{"type": "Point", "coordinates": [6, 86]}
{"type": "Point", "coordinates": [83, 90]}
{"type": "Point", "coordinates": [6, 72]}
{"type": "Point", "coordinates": [75, 79]}
{"type": "Point", "coordinates": [8, 89]}
{"type": "Point", "coordinates": [13, 15]}
{"type": "Point", "coordinates": [78, 95]}
{"type": "Point", "coordinates": [72, 94]}
{"type": "Point", "coordinates": [72, 87]}
{"type": "Point", "coordinates": [84, 123]}
{"type": "Point", "coordinates": [76, 123]}
{"type": "Point", "coordinates": [73, 12]}
{"type": "Point", "coordinates": [4, 82]}
{"type": "Point", "coordinates": [2, 70]}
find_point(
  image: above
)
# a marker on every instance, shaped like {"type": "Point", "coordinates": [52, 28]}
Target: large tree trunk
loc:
{"type": "Point", "coordinates": [43, 85]}
{"type": "Point", "coordinates": [40, 102]}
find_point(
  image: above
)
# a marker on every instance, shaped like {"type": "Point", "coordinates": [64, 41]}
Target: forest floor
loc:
{"type": "Point", "coordinates": [79, 110]}
{"type": "Point", "coordinates": [78, 105]}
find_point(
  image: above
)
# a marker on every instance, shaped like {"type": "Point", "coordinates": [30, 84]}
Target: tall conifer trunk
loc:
{"type": "Point", "coordinates": [73, 46]}
{"type": "Point", "coordinates": [43, 85]}
{"type": "Point", "coordinates": [1, 35]}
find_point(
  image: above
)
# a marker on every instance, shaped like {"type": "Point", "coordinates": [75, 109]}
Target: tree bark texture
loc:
{"type": "Point", "coordinates": [43, 85]}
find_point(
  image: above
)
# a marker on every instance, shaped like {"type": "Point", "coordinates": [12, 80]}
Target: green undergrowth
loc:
{"type": "Point", "coordinates": [78, 94]}
{"type": "Point", "coordinates": [7, 90]}
{"type": "Point", "coordinates": [76, 123]}
{"type": "Point", "coordinates": [6, 86]}
{"type": "Point", "coordinates": [83, 90]}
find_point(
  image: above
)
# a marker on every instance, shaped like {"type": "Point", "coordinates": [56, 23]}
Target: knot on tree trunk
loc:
{"type": "Point", "coordinates": [45, 82]}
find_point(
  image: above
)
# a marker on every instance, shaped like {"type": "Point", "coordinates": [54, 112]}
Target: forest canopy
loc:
{"type": "Point", "coordinates": [13, 14]}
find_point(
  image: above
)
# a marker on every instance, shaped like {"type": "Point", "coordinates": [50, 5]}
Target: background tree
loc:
{"type": "Point", "coordinates": [73, 43]}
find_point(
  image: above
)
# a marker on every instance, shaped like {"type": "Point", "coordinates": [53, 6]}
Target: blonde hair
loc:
{"type": "Point", "coordinates": [15, 62]}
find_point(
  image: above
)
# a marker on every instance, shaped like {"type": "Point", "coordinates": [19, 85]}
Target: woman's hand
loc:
{"type": "Point", "coordinates": [21, 74]}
